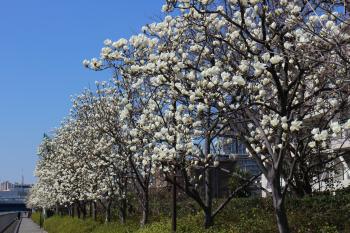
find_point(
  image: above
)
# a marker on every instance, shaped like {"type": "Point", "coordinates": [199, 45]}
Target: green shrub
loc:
{"type": "Point", "coordinates": [329, 229]}
{"type": "Point", "coordinates": [58, 224]}
{"type": "Point", "coordinates": [319, 214]}
{"type": "Point", "coordinates": [115, 227]}
{"type": "Point", "coordinates": [36, 217]}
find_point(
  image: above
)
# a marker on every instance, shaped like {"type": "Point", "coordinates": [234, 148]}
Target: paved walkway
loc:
{"type": "Point", "coordinates": [28, 226]}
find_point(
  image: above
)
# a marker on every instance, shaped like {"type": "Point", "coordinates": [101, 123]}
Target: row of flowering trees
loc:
{"type": "Point", "coordinates": [272, 73]}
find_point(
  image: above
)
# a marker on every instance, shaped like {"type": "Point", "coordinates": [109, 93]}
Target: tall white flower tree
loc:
{"type": "Point", "coordinates": [284, 68]}
{"type": "Point", "coordinates": [274, 68]}
{"type": "Point", "coordinates": [181, 117]}
{"type": "Point", "coordinates": [98, 115]}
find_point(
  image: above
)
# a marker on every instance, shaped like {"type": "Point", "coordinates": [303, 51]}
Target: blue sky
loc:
{"type": "Point", "coordinates": [42, 45]}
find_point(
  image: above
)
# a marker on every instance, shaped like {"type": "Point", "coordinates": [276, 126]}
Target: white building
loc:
{"type": "Point", "coordinates": [6, 186]}
{"type": "Point", "coordinates": [339, 175]}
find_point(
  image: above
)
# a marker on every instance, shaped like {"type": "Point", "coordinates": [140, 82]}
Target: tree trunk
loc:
{"type": "Point", "coordinates": [282, 220]}
{"type": "Point", "coordinates": [94, 217]}
{"type": "Point", "coordinates": [90, 209]}
{"type": "Point", "coordinates": [83, 209]}
{"type": "Point", "coordinates": [122, 211]}
{"type": "Point", "coordinates": [72, 209]}
{"type": "Point", "coordinates": [278, 204]}
{"type": "Point", "coordinates": [302, 189]}
{"type": "Point", "coordinates": [108, 212]}
{"type": "Point", "coordinates": [307, 187]}
{"type": "Point", "coordinates": [301, 186]}
{"type": "Point", "coordinates": [208, 219]}
{"type": "Point", "coordinates": [208, 222]}
{"type": "Point", "coordinates": [145, 208]}
{"type": "Point", "coordinates": [77, 206]}
{"type": "Point", "coordinates": [173, 216]}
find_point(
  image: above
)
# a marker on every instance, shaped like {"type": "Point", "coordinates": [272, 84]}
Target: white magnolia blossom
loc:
{"type": "Point", "coordinates": [295, 125]}
{"type": "Point", "coordinates": [276, 59]}
{"type": "Point", "coordinates": [335, 127]}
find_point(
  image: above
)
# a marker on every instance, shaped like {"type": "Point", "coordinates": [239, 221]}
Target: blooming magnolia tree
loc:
{"type": "Point", "coordinates": [84, 161]}
{"type": "Point", "coordinates": [98, 115]}
{"type": "Point", "coordinates": [65, 167]}
{"type": "Point", "coordinates": [282, 70]}
{"type": "Point", "coordinates": [274, 69]}
{"type": "Point", "coordinates": [43, 194]}
{"type": "Point", "coordinates": [181, 117]}
{"type": "Point", "coordinates": [272, 74]}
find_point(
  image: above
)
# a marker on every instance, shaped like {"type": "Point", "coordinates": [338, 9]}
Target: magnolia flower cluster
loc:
{"type": "Point", "coordinates": [324, 136]}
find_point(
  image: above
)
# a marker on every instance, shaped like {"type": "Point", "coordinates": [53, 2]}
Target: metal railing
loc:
{"type": "Point", "coordinates": [12, 200]}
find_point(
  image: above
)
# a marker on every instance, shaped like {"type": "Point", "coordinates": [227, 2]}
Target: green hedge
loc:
{"type": "Point", "coordinates": [319, 214]}
{"type": "Point", "coordinates": [58, 224]}
{"type": "Point", "coordinates": [36, 217]}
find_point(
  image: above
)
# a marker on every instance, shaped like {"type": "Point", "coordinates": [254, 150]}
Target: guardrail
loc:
{"type": "Point", "coordinates": [6, 219]}
{"type": "Point", "coordinates": [12, 200]}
